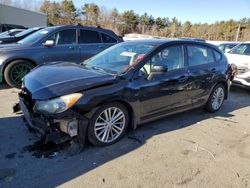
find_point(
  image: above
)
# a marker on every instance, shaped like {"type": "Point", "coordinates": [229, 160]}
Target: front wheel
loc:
{"type": "Point", "coordinates": [15, 72]}
{"type": "Point", "coordinates": [216, 99]}
{"type": "Point", "coordinates": [108, 124]}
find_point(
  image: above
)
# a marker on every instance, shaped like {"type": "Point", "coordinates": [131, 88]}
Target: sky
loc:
{"type": "Point", "coordinates": [196, 11]}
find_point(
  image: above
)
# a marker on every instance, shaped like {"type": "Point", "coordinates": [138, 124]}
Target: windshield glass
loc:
{"type": "Point", "coordinates": [25, 32]}
{"type": "Point", "coordinates": [4, 33]}
{"type": "Point", "coordinates": [241, 49]}
{"type": "Point", "coordinates": [118, 58]}
{"type": "Point", "coordinates": [38, 35]}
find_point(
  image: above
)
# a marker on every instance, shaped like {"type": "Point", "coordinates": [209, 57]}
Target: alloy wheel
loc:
{"type": "Point", "coordinates": [110, 124]}
{"type": "Point", "coordinates": [218, 98]}
{"type": "Point", "coordinates": [18, 72]}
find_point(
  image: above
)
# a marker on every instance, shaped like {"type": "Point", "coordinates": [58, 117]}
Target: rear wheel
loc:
{"type": "Point", "coordinates": [15, 72]}
{"type": "Point", "coordinates": [108, 124]}
{"type": "Point", "coordinates": [216, 98]}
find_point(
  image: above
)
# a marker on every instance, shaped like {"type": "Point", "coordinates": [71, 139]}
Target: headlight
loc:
{"type": "Point", "coordinates": [57, 105]}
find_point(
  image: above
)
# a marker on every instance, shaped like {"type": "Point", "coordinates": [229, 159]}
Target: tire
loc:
{"type": "Point", "coordinates": [217, 95]}
{"type": "Point", "coordinates": [15, 71]}
{"type": "Point", "coordinates": [97, 127]}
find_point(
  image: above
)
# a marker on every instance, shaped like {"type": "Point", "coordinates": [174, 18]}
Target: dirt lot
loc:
{"type": "Point", "coordinates": [191, 149]}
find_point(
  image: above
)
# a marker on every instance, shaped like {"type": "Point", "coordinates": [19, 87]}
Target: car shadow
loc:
{"type": "Point", "coordinates": [4, 86]}
{"type": "Point", "coordinates": [61, 169]}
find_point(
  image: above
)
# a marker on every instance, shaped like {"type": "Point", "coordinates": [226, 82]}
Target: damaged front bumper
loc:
{"type": "Point", "coordinates": [56, 128]}
{"type": "Point", "coordinates": [242, 80]}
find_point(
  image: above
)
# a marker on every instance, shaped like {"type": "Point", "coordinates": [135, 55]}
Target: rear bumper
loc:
{"type": "Point", "coordinates": [49, 127]}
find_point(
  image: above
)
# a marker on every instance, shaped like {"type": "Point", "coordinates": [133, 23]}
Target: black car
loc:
{"type": "Point", "coordinates": [11, 32]}
{"type": "Point", "coordinates": [72, 43]}
{"type": "Point", "coordinates": [126, 85]}
{"type": "Point", "coordinates": [19, 36]}
{"type": "Point", "coordinates": [6, 27]}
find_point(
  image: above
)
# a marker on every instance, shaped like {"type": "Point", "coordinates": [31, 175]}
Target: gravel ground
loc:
{"type": "Point", "coordinates": [191, 149]}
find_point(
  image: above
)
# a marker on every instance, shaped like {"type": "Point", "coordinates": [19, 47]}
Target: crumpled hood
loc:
{"type": "Point", "coordinates": [238, 60]}
{"type": "Point", "coordinates": [61, 78]}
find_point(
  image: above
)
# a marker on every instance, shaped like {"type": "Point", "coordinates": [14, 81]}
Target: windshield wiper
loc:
{"type": "Point", "coordinates": [94, 67]}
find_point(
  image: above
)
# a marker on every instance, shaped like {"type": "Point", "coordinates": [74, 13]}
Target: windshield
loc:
{"type": "Point", "coordinates": [4, 33]}
{"type": "Point", "coordinates": [25, 32]}
{"type": "Point", "coordinates": [243, 49]}
{"type": "Point", "coordinates": [118, 58]}
{"type": "Point", "coordinates": [36, 36]}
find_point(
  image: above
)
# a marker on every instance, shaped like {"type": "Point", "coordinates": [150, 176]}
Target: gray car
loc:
{"type": "Point", "coordinates": [71, 43]}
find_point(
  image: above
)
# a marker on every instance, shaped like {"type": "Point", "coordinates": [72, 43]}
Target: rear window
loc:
{"type": "Point", "coordinates": [198, 55]}
{"type": "Point", "coordinates": [217, 55]}
{"type": "Point", "coordinates": [87, 36]}
{"type": "Point", "coordinates": [107, 39]}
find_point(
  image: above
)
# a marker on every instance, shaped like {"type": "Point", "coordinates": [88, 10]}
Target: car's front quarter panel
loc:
{"type": "Point", "coordinates": [94, 98]}
{"type": "Point", "coordinates": [35, 56]}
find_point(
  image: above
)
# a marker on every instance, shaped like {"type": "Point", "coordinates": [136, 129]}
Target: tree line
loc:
{"type": "Point", "coordinates": [65, 12]}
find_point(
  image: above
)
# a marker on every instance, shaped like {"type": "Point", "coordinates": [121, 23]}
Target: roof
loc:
{"type": "Point", "coordinates": [166, 40]}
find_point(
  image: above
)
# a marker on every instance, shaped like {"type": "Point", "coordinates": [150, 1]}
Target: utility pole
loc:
{"type": "Point", "coordinates": [238, 33]}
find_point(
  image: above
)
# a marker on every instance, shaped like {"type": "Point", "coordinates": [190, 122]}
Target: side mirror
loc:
{"type": "Point", "coordinates": [227, 50]}
{"type": "Point", "coordinates": [49, 43]}
{"type": "Point", "coordinates": [158, 69]}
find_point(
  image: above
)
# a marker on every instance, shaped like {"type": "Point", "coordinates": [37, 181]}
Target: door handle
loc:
{"type": "Point", "coordinates": [182, 78]}
{"type": "Point", "coordinates": [213, 70]}
{"type": "Point", "coordinates": [101, 47]}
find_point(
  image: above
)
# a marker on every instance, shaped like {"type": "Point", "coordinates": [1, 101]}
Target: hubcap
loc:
{"type": "Point", "coordinates": [218, 98]}
{"type": "Point", "coordinates": [109, 125]}
{"type": "Point", "coordinates": [18, 72]}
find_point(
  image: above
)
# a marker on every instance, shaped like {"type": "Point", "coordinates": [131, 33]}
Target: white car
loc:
{"type": "Point", "coordinates": [240, 56]}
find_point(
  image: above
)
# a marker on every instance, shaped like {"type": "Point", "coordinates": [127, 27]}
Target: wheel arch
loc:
{"type": "Point", "coordinates": [17, 59]}
{"type": "Point", "coordinates": [129, 108]}
{"type": "Point", "coordinates": [225, 84]}
{"type": "Point", "coordinates": [132, 118]}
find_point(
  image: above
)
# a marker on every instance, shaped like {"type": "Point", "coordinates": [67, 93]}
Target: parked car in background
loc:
{"type": "Point", "coordinates": [6, 27]}
{"type": "Point", "coordinates": [128, 84]}
{"type": "Point", "coordinates": [73, 43]}
{"type": "Point", "coordinates": [227, 46]}
{"type": "Point", "coordinates": [240, 56]}
{"type": "Point", "coordinates": [13, 38]}
{"type": "Point", "coordinates": [11, 32]}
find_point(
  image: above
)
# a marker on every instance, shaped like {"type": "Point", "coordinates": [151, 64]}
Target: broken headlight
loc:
{"type": "Point", "coordinates": [57, 105]}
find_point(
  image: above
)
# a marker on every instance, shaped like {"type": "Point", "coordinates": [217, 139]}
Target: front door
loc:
{"type": "Point", "coordinates": [161, 94]}
{"type": "Point", "coordinates": [65, 47]}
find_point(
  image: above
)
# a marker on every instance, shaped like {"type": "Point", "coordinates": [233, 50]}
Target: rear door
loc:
{"type": "Point", "coordinates": [202, 69]}
{"type": "Point", "coordinates": [65, 48]}
{"type": "Point", "coordinates": [90, 43]}
{"type": "Point", "coordinates": [108, 40]}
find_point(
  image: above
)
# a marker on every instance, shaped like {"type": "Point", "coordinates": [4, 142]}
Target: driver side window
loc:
{"type": "Point", "coordinates": [64, 37]}
{"type": "Point", "coordinates": [170, 57]}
